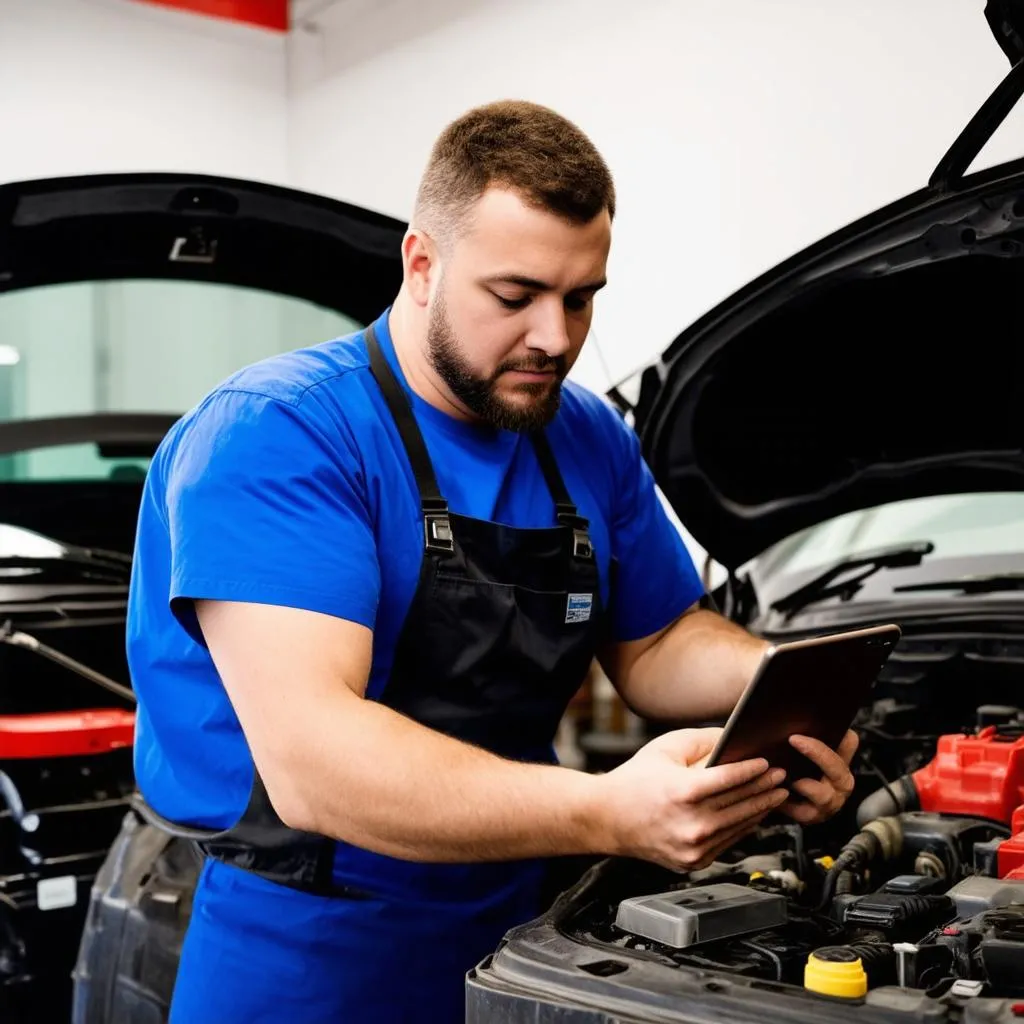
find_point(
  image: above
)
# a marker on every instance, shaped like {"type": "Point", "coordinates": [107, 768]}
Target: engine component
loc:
{"type": "Point", "coordinates": [1001, 949]}
{"type": "Point", "coordinates": [986, 858]}
{"type": "Point", "coordinates": [65, 784]}
{"type": "Point", "coordinates": [944, 846]}
{"type": "Point", "coordinates": [702, 914]}
{"type": "Point", "coordinates": [988, 947]}
{"type": "Point", "coordinates": [998, 714]}
{"type": "Point", "coordinates": [878, 840]}
{"type": "Point", "coordinates": [976, 894]}
{"type": "Point", "coordinates": [981, 775]}
{"type": "Point", "coordinates": [913, 885]}
{"type": "Point", "coordinates": [1010, 855]}
{"type": "Point", "coordinates": [898, 915]}
{"type": "Point", "coordinates": [836, 971]}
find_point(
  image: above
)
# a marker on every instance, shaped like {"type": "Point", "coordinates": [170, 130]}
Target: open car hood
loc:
{"type": "Point", "coordinates": [882, 363]}
{"type": "Point", "coordinates": [197, 227]}
{"type": "Point", "coordinates": [169, 227]}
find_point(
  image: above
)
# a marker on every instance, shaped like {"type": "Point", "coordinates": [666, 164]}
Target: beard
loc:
{"type": "Point", "coordinates": [538, 401]}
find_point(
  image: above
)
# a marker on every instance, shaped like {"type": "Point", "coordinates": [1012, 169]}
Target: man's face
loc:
{"type": "Point", "coordinates": [513, 308]}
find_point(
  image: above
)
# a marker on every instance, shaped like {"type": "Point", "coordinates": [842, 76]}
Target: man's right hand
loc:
{"type": "Point", "coordinates": [665, 806]}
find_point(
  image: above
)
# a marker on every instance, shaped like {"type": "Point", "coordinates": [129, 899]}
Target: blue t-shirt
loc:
{"type": "Point", "coordinates": [288, 485]}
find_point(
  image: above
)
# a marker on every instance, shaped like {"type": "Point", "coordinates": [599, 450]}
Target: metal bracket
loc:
{"type": "Point", "coordinates": [581, 546]}
{"type": "Point", "coordinates": [437, 532]}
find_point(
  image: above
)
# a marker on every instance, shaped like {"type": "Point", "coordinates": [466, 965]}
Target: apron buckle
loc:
{"type": "Point", "coordinates": [581, 546]}
{"type": "Point", "coordinates": [437, 529]}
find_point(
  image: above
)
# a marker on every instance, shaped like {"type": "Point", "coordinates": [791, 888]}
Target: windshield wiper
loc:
{"type": "Point", "coordinates": [991, 584]}
{"type": "Point", "coordinates": [824, 586]}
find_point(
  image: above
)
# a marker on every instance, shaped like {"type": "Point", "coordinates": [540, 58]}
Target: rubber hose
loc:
{"type": "Point", "coordinates": [880, 803]}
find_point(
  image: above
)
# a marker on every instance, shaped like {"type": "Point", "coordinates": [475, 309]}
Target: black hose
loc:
{"type": "Point", "coordinates": [844, 883]}
{"type": "Point", "coordinates": [765, 952]}
{"type": "Point", "coordinates": [879, 838]}
{"type": "Point", "coordinates": [828, 886]}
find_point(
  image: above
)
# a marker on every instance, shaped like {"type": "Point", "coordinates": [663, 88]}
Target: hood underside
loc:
{"type": "Point", "coordinates": [197, 227]}
{"type": "Point", "coordinates": [882, 364]}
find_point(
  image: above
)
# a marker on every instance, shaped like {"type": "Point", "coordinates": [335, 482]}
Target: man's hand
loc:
{"type": "Point", "coordinates": [663, 805]}
{"type": "Point", "coordinates": [827, 794]}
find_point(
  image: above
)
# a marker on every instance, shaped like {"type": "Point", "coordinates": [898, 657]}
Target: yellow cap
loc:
{"type": "Point", "coordinates": [835, 971]}
{"type": "Point", "coordinates": [756, 874]}
{"type": "Point", "coordinates": [825, 862]}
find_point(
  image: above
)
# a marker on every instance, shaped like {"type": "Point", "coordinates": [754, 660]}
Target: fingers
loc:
{"type": "Point", "coordinates": [803, 813]}
{"type": "Point", "coordinates": [851, 741]}
{"type": "Point", "coordinates": [705, 782]}
{"type": "Point", "coordinates": [741, 812]}
{"type": "Point", "coordinates": [695, 855]}
{"type": "Point", "coordinates": [823, 800]}
{"type": "Point", "coordinates": [760, 784]}
{"type": "Point", "coordinates": [835, 768]}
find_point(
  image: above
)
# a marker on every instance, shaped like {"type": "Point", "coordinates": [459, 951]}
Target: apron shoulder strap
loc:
{"type": "Point", "coordinates": [565, 510]}
{"type": "Point", "coordinates": [436, 524]}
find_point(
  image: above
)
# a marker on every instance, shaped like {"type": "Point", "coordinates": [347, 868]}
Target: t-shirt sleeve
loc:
{"type": "Point", "coordinates": [265, 505]}
{"type": "Point", "coordinates": [655, 578]}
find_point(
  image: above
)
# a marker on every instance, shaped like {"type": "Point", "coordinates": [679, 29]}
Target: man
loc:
{"type": "Point", "coordinates": [390, 560]}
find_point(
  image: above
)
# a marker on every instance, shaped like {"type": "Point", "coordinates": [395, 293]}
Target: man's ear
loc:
{"type": "Point", "coordinates": [421, 265]}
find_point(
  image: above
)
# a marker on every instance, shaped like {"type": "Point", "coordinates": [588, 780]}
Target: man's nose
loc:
{"type": "Point", "coordinates": [549, 332]}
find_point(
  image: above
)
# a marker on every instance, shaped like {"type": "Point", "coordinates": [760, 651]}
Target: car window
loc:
{"type": "Point", "coordinates": [957, 524]}
{"type": "Point", "coordinates": [134, 346]}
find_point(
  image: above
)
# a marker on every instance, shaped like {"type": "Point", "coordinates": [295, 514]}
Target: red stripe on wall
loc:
{"type": "Point", "coordinates": [266, 13]}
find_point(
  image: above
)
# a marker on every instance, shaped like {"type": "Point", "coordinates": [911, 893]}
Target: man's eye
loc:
{"type": "Point", "coordinates": [513, 303]}
{"type": "Point", "coordinates": [577, 303]}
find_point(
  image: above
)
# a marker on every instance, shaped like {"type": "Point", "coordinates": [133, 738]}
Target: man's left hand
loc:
{"type": "Point", "coordinates": [824, 796]}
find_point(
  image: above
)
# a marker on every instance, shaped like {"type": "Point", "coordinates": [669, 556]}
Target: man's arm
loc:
{"type": "Point", "coordinates": [336, 763]}
{"type": "Point", "coordinates": [694, 670]}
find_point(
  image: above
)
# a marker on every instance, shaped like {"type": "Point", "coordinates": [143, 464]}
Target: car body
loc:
{"type": "Point", "coordinates": [123, 299]}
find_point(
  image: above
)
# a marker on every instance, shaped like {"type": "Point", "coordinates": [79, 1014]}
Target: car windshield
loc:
{"type": "Point", "coordinates": [987, 526]}
{"type": "Point", "coordinates": [133, 346]}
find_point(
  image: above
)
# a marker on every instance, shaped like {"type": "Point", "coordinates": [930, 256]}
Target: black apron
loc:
{"type": "Point", "coordinates": [500, 634]}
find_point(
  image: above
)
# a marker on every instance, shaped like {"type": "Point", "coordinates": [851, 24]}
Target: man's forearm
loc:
{"type": "Point", "coordinates": [696, 671]}
{"type": "Point", "coordinates": [372, 777]}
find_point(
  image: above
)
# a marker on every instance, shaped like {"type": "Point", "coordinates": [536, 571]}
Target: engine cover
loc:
{"type": "Point", "coordinates": [980, 775]}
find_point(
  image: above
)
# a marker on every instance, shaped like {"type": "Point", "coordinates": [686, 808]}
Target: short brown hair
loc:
{"type": "Point", "coordinates": [519, 145]}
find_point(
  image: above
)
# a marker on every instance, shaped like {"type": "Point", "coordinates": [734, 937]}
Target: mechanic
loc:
{"type": "Point", "coordinates": [369, 577]}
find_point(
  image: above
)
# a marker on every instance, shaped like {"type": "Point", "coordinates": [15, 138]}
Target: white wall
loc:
{"type": "Point", "coordinates": [112, 85]}
{"type": "Point", "coordinates": [738, 130]}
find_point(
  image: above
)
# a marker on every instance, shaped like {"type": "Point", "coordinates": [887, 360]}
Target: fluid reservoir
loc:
{"type": "Point", "coordinates": [836, 971]}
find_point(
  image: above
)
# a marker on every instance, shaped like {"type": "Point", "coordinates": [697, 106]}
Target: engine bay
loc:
{"type": "Point", "coordinates": [902, 903]}
{"type": "Point", "coordinates": [917, 884]}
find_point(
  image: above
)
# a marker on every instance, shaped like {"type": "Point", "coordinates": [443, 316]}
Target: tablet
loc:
{"type": "Point", "coordinates": [810, 687]}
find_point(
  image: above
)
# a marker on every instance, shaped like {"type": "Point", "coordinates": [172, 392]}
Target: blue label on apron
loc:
{"type": "Point", "coordinates": [579, 607]}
